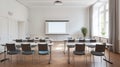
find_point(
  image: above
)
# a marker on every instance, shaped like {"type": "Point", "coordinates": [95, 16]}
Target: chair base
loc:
{"type": "Point", "coordinates": [3, 60]}
{"type": "Point", "coordinates": [108, 61]}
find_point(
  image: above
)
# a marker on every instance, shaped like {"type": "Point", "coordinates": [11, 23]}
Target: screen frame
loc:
{"type": "Point", "coordinates": [55, 21]}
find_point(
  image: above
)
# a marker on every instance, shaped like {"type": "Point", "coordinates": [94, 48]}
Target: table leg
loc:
{"type": "Point", "coordinates": [3, 60]}
{"type": "Point", "coordinates": [68, 55]}
{"type": "Point", "coordinates": [64, 46]}
{"type": "Point", "coordinates": [50, 53]}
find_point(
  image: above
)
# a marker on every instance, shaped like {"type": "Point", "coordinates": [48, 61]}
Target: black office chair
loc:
{"type": "Point", "coordinates": [81, 40]}
{"type": "Point", "coordinates": [26, 50]}
{"type": "Point", "coordinates": [36, 37]}
{"type": "Point", "coordinates": [18, 41]}
{"type": "Point", "coordinates": [27, 38]}
{"type": "Point", "coordinates": [47, 38]}
{"type": "Point", "coordinates": [92, 40]}
{"type": "Point", "coordinates": [43, 50]}
{"type": "Point", "coordinates": [11, 49]}
{"type": "Point", "coordinates": [79, 50]}
{"type": "Point", "coordinates": [42, 40]}
{"type": "Point", "coordinates": [30, 40]}
{"type": "Point", "coordinates": [71, 40]}
{"type": "Point", "coordinates": [99, 51]}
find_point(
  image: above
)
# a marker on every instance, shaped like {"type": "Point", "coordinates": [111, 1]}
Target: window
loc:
{"type": "Point", "coordinates": [102, 13]}
{"type": "Point", "coordinates": [103, 20]}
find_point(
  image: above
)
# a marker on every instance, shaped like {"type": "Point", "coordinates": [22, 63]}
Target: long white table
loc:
{"type": "Point", "coordinates": [72, 45]}
{"type": "Point", "coordinates": [87, 40]}
{"type": "Point", "coordinates": [33, 44]}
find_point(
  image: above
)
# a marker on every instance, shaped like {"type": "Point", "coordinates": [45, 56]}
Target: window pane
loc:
{"type": "Point", "coordinates": [102, 24]}
{"type": "Point", "coordinates": [101, 8]}
{"type": "Point", "coordinates": [107, 16]}
{"type": "Point", "coordinates": [107, 6]}
{"type": "Point", "coordinates": [107, 29]}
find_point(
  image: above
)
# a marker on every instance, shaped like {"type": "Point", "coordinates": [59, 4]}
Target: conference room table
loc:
{"type": "Point", "coordinates": [76, 40]}
{"type": "Point", "coordinates": [93, 44]}
{"type": "Point", "coordinates": [18, 45]}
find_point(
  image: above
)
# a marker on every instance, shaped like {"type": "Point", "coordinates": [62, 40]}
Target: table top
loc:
{"type": "Point", "coordinates": [16, 43]}
{"type": "Point", "coordinates": [77, 40]}
{"type": "Point", "coordinates": [87, 43]}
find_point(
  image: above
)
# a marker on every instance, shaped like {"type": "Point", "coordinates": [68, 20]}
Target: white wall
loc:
{"type": "Point", "coordinates": [11, 12]}
{"type": "Point", "coordinates": [77, 16]}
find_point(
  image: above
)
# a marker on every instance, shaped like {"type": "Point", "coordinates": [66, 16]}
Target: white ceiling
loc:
{"type": "Point", "coordinates": [66, 3]}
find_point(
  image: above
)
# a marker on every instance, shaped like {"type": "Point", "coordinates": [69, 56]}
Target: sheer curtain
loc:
{"type": "Point", "coordinates": [114, 24]}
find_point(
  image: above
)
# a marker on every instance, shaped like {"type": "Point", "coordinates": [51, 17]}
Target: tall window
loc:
{"type": "Point", "coordinates": [103, 20]}
{"type": "Point", "coordinates": [101, 12]}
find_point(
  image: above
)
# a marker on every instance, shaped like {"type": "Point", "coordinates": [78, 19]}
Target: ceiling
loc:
{"type": "Point", "coordinates": [50, 3]}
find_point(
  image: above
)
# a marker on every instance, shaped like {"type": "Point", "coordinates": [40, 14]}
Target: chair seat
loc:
{"type": "Point", "coordinates": [43, 52]}
{"type": "Point", "coordinates": [79, 52]}
{"type": "Point", "coordinates": [28, 52]}
{"type": "Point", "coordinates": [13, 52]}
{"type": "Point", "coordinates": [97, 53]}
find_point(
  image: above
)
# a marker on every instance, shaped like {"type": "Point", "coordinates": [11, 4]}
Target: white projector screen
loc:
{"type": "Point", "coordinates": [56, 28]}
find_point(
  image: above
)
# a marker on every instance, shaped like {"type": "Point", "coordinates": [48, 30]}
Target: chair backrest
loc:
{"type": "Point", "coordinates": [30, 40]}
{"type": "Point", "coordinates": [47, 38]}
{"type": "Point", "coordinates": [27, 37]}
{"type": "Point", "coordinates": [36, 37]}
{"type": "Point", "coordinates": [42, 47]}
{"type": "Point", "coordinates": [26, 47]}
{"type": "Point", "coordinates": [10, 47]}
{"type": "Point", "coordinates": [42, 40]}
{"type": "Point", "coordinates": [80, 47]}
{"type": "Point", "coordinates": [71, 40]}
{"type": "Point", "coordinates": [93, 40]}
{"type": "Point", "coordinates": [100, 48]}
{"type": "Point", "coordinates": [82, 40]}
{"type": "Point", "coordinates": [18, 40]}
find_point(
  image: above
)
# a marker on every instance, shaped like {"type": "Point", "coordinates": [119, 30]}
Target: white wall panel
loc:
{"type": "Point", "coordinates": [11, 12]}
{"type": "Point", "coordinates": [77, 16]}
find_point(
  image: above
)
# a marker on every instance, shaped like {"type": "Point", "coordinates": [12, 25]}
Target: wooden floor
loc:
{"type": "Point", "coordinates": [59, 59]}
